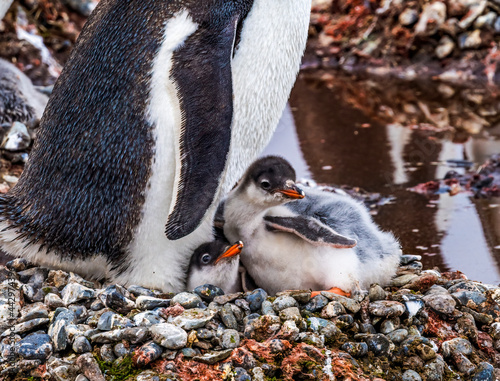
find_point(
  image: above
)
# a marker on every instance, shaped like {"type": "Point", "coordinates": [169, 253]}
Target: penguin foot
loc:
{"type": "Point", "coordinates": [335, 290]}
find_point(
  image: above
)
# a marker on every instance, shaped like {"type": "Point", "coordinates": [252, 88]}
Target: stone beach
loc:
{"type": "Point", "coordinates": [425, 325]}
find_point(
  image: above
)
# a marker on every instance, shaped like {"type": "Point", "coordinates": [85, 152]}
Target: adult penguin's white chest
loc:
{"type": "Point", "coordinates": [265, 62]}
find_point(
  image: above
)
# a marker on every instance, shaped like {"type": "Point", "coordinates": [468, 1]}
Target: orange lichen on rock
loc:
{"type": "Point", "coordinates": [439, 328]}
{"type": "Point", "coordinates": [188, 370]}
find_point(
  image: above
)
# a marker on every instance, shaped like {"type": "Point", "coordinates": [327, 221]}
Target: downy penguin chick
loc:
{"type": "Point", "coordinates": [216, 263]}
{"type": "Point", "coordinates": [322, 241]}
{"type": "Point", "coordinates": [157, 113]}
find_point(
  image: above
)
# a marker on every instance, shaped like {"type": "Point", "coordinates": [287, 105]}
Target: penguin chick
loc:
{"type": "Point", "coordinates": [216, 263]}
{"type": "Point", "coordinates": [322, 241]}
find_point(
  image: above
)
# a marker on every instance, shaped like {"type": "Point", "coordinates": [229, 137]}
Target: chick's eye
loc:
{"type": "Point", "coordinates": [265, 184]}
{"type": "Point", "coordinates": [205, 258]}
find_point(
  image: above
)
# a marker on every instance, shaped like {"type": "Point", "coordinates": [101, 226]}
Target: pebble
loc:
{"type": "Point", "coordinates": [147, 353]}
{"type": "Point", "coordinates": [255, 299]}
{"type": "Point", "coordinates": [285, 301]}
{"type": "Point", "coordinates": [192, 319]}
{"type": "Point", "coordinates": [355, 349]}
{"type": "Point", "coordinates": [84, 7]}
{"type": "Point", "coordinates": [227, 317]}
{"type": "Point", "coordinates": [75, 292]}
{"type": "Point", "coordinates": [348, 303]}
{"type": "Point", "coordinates": [445, 47]}
{"type": "Point", "coordinates": [186, 300]}
{"type": "Point", "coordinates": [470, 40]}
{"type": "Point", "coordinates": [213, 357]}
{"type": "Point", "coordinates": [121, 350]}
{"type": "Point", "coordinates": [147, 319]}
{"type": "Point", "coordinates": [290, 313]}
{"type": "Point", "coordinates": [485, 372]}
{"type": "Point", "coordinates": [35, 347]}
{"type": "Point", "coordinates": [150, 303]}
{"type": "Point", "coordinates": [88, 365]}
{"type": "Point", "coordinates": [316, 303]}
{"type": "Point", "coordinates": [113, 297]}
{"type": "Point", "coordinates": [168, 335]}
{"type": "Point", "coordinates": [332, 309]}
{"type": "Point", "coordinates": [208, 292]}
{"type": "Point", "coordinates": [376, 293]}
{"type": "Point", "coordinates": [440, 302]}
{"type": "Point", "coordinates": [408, 17]}
{"type": "Point", "coordinates": [411, 375]}
{"type": "Point", "coordinates": [17, 138]}
{"type": "Point", "coordinates": [230, 339]}
{"type": "Point", "coordinates": [386, 308]}
{"type": "Point", "coordinates": [33, 311]}
{"type": "Point", "coordinates": [379, 345]}
{"type": "Point", "coordinates": [138, 291]}
{"type": "Point", "coordinates": [456, 346]}
{"type": "Point", "coordinates": [81, 345]}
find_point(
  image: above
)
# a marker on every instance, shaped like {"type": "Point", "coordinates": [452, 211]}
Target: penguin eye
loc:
{"type": "Point", "coordinates": [205, 258]}
{"type": "Point", "coordinates": [265, 184]}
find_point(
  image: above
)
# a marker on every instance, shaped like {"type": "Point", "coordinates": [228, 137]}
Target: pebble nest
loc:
{"type": "Point", "coordinates": [425, 325]}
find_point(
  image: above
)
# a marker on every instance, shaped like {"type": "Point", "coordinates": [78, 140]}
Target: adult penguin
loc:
{"type": "Point", "coordinates": [159, 109]}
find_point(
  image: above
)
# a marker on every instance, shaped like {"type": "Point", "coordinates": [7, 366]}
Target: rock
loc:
{"type": "Point", "coordinates": [267, 308]}
{"type": "Point", "coordinates": [88, 365]}
{"type": "Point", "coordinates": [355, 349]}
{"type": "Point", "coordinates": [228, 318]}
{"type": "Point", "coordinates": [434, 370]}
{"type": "Point", "coordinates": [138, 291]}
{"type": "Point", "coordinates": [469, 299]}
{"type": "Point", "coordinates": [262, 327]}
{"type": "Point", "coordinates": [456, 346]}
{"type": "Point", "coordinates": [33, 311]}
{"type": "Point", "coordinates": [113, 297]}
{"type": "Point", "coordinates": [17, 138]}
{"type": "Point", "coordinates": [411, 375]}
{"type": "Point", "coordinates": [213, 357]}
{"type": "Point", "coordinates": [496, 26]}
{"type": "Point", "coordinates": [147, 319]}
{"type": "Point", "coordinates": [147, 353]}
{"type": "Point", "coordinates": [397, 335]}
{"type": "Point", "coordinates": [35, 347]}
{"type": "Point", "coordinates": [316, 303]}
{"type": "Point", "coordinates": [348, 303]}
{"type": "Point", "coordinates": [470, 40]}
{"type": "Point", "coordinates": [484, 372]}
{"type": "Point", "coordinates": [168, 335]}
{"type": "Point", "coordinates": [230, 339]}
{"type": "Point", "coordinates": [84, 7]}
{"type": "Point", "coordinates": [57, 329]}
{"type": "Point", "coordinates": [10, 303]}
{"type": "Point", "coordinates": [301, 296]}
{"type": "Point", "coordinates": [463, 364]}
{"type": "Point", "coordinates": [186, 300]}
{"type": "Point", "coordinates": [121, 350]}
{"type": "Point", "coordinates": [240, 374]}
{"type": "Point", "coordinates": [486, 20]}
{"type": "Point", "coordinates": [58, 278]}
{"type": "Point", "coordinates": [147, 375]}
{"type": "Point", "coordinates": [255, 299]}
{"type": "Point", "coordinates": [192, 319]}
{"type": "Point", "coordinates": [81, 345]}
{"type": "Point", "coordinates": [282, 302]}
{"type": "Point", "coordinates": [389, 325]}
{"type": "Point", "coordinates": [475, 9]}
{"type": "Point", "coordinates": [223, 299]}
{"type": "Point", "coordinates": [150, 303]}
{"type": "Point", "coordinates": [441, 302]}
{"type": "Point", "coordinates": [408, 17]}
{"type": "Point", "coordinates": [332, 309]}
{"type": "Point", "coordinates": [27, 326]}
{"type": "Point", "coordinates": [403, 280]}
{"type": "Point", "coordinates": [189, 352]}
{"type": "Point", "coordinates": [386, 308]}
{"type": "Point", "coordinates": [291, 313]}
{"type": "Point", "coordinates": [74, 292]}
{"type": "Point", "coordinates": [435, 12]}
{"type": "Point", "coordinates": [376, 293]}
{"type": "Point", "coordinates": [289, 331]}
{"type": "Point", "coordinates": [17, 264]}
{"type": "Point", "coordinates": [379, 345]}
{"type": "Point", "coordinates": [208, 292]}
{"type": "Point", "coordinates": [81, 377]}
{"type": "Point", "coordinates": [445, 47]}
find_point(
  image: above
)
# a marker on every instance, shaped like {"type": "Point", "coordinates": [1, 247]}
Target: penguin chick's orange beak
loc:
{"type": "Point", "coordinates": [231, 252]}
{"type": "Point", "coordinates": [293, 192]}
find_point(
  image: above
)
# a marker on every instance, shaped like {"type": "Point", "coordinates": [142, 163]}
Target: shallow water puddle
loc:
{"type": "Point", "coordinates": [328, 137]}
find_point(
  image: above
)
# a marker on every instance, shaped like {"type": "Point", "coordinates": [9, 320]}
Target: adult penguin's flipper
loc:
{"type": "Point", "coordinates": [310, 230]}
{"type": "Point", "coordinates": [202, 72]}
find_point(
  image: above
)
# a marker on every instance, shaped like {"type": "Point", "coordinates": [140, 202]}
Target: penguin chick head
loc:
{"type": "Point", "coordinates": [214, 263]}
{"type": "Point", "coordinates": [271, 181]}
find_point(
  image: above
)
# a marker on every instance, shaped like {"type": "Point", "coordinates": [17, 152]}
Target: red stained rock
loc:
{"type": "Point", "coordinates": [438, 328]}
{"type": "Point", "coordinates": [422, 283]}
{"type": "Point", "coordinates": [188, 370]}
{"type": "Point", "coordinates": [171, 311]}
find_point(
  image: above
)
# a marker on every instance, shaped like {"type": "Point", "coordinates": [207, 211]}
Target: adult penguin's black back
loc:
{"type": "Point", "coordinates": [159, 109]}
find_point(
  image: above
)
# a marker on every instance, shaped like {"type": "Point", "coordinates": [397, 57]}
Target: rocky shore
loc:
{"type": "Point", "coordinates": [425, 326]}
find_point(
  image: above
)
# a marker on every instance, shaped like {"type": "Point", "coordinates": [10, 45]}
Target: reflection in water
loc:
{"type": "Point", "coordinates": [337, 143]}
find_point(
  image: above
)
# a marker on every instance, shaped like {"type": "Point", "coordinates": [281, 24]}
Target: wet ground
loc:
{"type": "Point", "coordinates": [336, 136]}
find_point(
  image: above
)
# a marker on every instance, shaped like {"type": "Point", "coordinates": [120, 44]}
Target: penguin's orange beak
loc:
{"type": "Point", "coordinates": [293, 192]}
{"type": "Point", "coordinates": [231, 252]}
